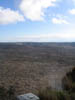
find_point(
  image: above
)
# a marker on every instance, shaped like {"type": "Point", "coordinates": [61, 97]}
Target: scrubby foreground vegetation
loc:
{"type": "Point", "coordinates": [69, 82]}
{"type": "Point", "coordinates": [8, 94]}
{"type": "Point", "coordinates": [53, 95]}
{"type": "Point", "coordinates": [68, 92]}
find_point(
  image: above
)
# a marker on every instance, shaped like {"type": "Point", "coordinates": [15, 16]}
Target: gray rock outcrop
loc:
{"type": "Point", "coordinates": [28, 96]}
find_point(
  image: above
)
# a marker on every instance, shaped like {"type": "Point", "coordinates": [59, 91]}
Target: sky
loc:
{"type": "Point", "coordinates": [37, 20]}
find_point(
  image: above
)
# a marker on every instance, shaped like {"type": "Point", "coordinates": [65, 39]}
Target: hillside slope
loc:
{"type": "Point", "coordinates": [29, 66]}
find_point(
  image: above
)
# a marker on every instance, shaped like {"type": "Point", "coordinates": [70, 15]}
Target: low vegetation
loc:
{"type": "Point", "coordinates": [53, 95]}
{"type": "Point", "coordinates": [7, 94]}
{"type": "Point", "coordinates": [68, 92]}
{"type": "Point", "coordinates": [69, 82]}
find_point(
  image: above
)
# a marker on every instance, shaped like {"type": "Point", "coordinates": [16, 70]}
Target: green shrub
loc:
{"type": "Point", "coordinates": [47, 94]}
{"type": "Point", "coordinates": [72, 95]}
{"type": "Point", "coordinates": [7, 94]}
{"type": "Point", "coordinates": [3, 93]}
{"type": "Point", "coordinates": [68, 92]}
{"type": "Point", "coordinates": [63, 95]}
{"type": "Point", "coordinates": [69, 82]}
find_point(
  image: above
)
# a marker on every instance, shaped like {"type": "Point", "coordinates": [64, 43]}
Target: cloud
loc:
{"type": "Point", "coordinates": [8, 16]}
{"type": "Point", "coordinates": [59, 21]}
{"type": "Point", "coordinates": [72, 11]}
{"type": "Point", "coordinates": [73, 1]}
{"type": "Point", "coordinates": [35, 9]}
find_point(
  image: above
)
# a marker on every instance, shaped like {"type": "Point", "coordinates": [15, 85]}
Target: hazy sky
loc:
{"type": "Point", "coordinates": [37, 20]}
